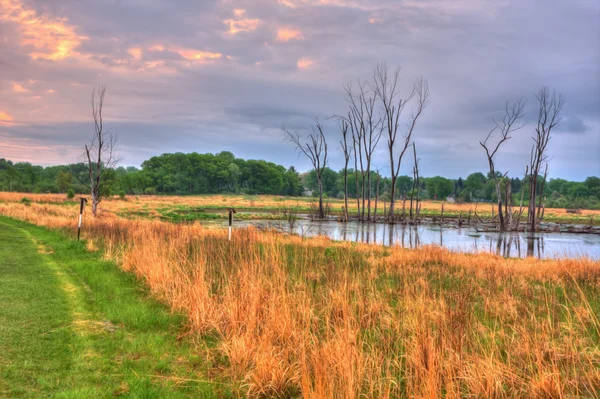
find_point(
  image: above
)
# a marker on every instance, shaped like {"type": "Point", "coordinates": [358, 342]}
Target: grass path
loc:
{"type": "Point", "coordinates": [75, 326]}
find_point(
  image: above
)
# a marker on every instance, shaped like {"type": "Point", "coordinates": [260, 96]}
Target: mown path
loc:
{"type": "Point", "coordinates": [74, 326]}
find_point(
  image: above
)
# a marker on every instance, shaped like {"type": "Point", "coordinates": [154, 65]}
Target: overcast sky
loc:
{"type": "Point", "coordinates": [214, 75]}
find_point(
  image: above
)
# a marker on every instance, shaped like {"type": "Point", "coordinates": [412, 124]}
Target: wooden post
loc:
{"type": "Point", "coordinates": [81, 205]}
{"type": "Point", "coordinates": [442, 219]}
{"type": "Point", "coordinates": [231, 211]}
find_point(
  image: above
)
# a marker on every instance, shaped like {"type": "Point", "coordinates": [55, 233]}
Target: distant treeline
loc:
{"type": "Point", "coordinates": [224, 173]}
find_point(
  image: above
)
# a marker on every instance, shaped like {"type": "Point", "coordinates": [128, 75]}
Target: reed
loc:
{"type": "Point", "coordinates": [317, 318]}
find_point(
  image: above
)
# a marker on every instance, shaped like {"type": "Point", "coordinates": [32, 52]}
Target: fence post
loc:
{"type": "Point", "coordinates": [81, 205]}
{"type": "Point", "coordinates": [231, 212]}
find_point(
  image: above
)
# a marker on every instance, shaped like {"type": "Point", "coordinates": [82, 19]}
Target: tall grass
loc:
{"type": "Point", "coordinates": [167, 204]}
{"type": "Point", "coordinates": [322, 319]}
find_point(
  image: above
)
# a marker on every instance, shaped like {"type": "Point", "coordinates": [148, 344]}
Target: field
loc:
{"type": "Point", "coordinates": [188, 208]}
{"type": "Point", "coordinates": [281, 316]}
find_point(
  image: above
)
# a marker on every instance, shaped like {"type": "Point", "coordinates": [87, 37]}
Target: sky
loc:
{"type": "Point", "coordinates": [225, 75]}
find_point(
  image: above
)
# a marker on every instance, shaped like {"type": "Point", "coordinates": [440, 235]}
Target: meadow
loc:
{"type": "Point", "coordinates": [281, 316]}
{"type": "Point", "coordinates": [202, 207]}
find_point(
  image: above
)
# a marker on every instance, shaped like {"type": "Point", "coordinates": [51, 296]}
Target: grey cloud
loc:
{"type": "Point", "coordinates": [475, 54]}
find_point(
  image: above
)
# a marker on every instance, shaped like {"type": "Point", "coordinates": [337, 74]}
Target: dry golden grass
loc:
{"type": "Point", "coordinates": [325, 320]}
{"type": "Point", "coordinates": [270, 202]}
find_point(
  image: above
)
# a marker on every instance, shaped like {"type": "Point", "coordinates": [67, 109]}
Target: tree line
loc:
{"type": "Point", "coordinates": [177, 173]}
{"type": "Point", "coordinates": [223, 173]}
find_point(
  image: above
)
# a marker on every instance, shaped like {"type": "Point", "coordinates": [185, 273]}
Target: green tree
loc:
{"type": "Point", "coordinates": [475, 183]}
{"type": "Point", "coordinates": [438, 187]}
{"type": "Point", "coordinates": [64, 181]}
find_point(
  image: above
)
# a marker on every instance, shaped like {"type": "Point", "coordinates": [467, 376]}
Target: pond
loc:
{"type": "Point", "coordinates": [466, 239]}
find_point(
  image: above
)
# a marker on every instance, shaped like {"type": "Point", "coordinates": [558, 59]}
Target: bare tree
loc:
{"type": "Point", "coordinates": [347, 151]}
{"type": "Point", "coordinates": [356, 120]}
{"type": "Point", "coordinates": [377, 194]}
{"type": "Point", "coordinates": [314, 147]}
{"type": "Point", "coordinates": [393, 104]}
{"type": "Point", "coordinates": [101, 154]}
{"type": "Point", "coordinates": [416, 185]}
{"type": "Point", "coordinates": [549, 115]}
{"type": "Point", "coordinates": [508, 125]}
{"type": "Point", "coordinates": [366, 127]}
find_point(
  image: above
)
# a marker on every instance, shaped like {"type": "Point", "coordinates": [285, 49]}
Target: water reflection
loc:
{"type": "Point", "coordinates": [508, 244]}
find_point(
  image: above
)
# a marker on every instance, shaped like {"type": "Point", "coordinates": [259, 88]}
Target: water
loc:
{"type": "Point", "coordinates": [467, 239]}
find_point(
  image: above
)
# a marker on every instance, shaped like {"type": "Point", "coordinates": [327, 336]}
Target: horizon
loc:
{"type": "Point", "coordinates": [225, 76]}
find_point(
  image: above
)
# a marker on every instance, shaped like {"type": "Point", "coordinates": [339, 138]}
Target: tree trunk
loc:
{"type": "Point", "coordinates": [376, 197]}
{"type": "Point", "coordinates": [499, 195]}
{"type": "Point", "coordinates": [321, 211]}
{"type": "Point", "coordinates": [391, 216]}
{"type": "Point", "coordinates": [346, 192]}
{"type": "Point", "coordinates": [532, 199]}
{"type": "Point", "coordinates": [95, 202]}
{"type": "Point", "coordinates": [369, 190]}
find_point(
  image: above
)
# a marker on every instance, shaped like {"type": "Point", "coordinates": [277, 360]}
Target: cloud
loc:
{"type": "Point", "coordinates": [216, 75]}
{"type": "Point", "coordinates": [17, 88]}
{"type": "Point", "coordinates": [305, 62]}
{"type": "Point", "coordinates": [241, 23]}
{"type": "Point", "coordinates": [287, 34]}
{"type": "Point", "coordinates": [44, 37]}
{"type": "Point", "coordinates": [5, 119]}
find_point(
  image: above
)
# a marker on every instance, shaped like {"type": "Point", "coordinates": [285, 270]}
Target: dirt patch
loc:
{"type": "Point", "coordinates": [44, 249]}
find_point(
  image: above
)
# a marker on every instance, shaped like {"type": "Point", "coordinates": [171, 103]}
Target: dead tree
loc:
{"type": "Point", "coordinates": [416, 184]}
{"type": "Point", "coordinates": [101, 154]}
{"type": "Point", "coordinates": [314, 147]}
{"type": "Point", "coordinates": [521, 201]}
{"type": "Point", "coordinates": [347, 151]}
{"type": "Point", "coordinates": [505, 127]}
{"type": "Point", "coordinates": [354, 141]}
{"type": "Point", "coordinates": [549, 115]}
{"type": "Point", "coordinates": [356, 120]}
{"type": "Point", "coordinates": [386, 88]}
{"type": "Point", "coordinates": [366, 127]}
{"type": "Point", "coordinates": [377, 195]}
{"type": "Point", "coordinates": [541, 200]}
{"type": "Point", "coordinates": [371, 137]}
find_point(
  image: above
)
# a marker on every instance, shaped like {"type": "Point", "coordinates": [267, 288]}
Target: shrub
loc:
{"type": "Point", "coordinates": [150, 191]}
{"type": "Point", "coordinates": [122, 194]}
{"type": "Point", "coordinates": [70, 193]}
{"type": "Point", "coordinates": [26, 201]}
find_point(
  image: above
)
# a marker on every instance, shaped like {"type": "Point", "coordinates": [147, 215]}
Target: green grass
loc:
{"type": "Point", "coordinates": [74, 326]}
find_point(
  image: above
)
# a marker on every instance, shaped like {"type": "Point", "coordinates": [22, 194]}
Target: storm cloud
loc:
{"type": "Point", "coordinates": [210, 76]}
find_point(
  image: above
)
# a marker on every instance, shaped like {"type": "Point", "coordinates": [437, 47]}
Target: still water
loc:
{"type": "Point", "coordinates": [541, 245]}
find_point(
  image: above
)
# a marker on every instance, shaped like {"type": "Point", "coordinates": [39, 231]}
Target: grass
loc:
{"type": "Point", "coordinates": [202, 207]}
{"type": "Point", "coordinates": [74, 326]}
{"type": "Point", "coordinates": [288, 317]}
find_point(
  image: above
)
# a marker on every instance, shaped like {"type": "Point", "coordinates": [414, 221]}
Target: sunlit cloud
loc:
{"type": "Point", "coordinates": [366, 5]}
{"type": "Point", "coordinates": [46, 37]}
{"type": "Point", "coordinates": [5, 119]}
{"type": "Point", "coordinates": [18, 88]}
{"type": "Point", "coordinates": [304, 63]}
{"type": "Point", "coordinates": [287, 34]}
{"type": "Point", "coordinates": [195, 55]}
{"type": "Point", "coordinates": [241, 23]}
{"type": "Point", "coordinates": [135, 52]}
